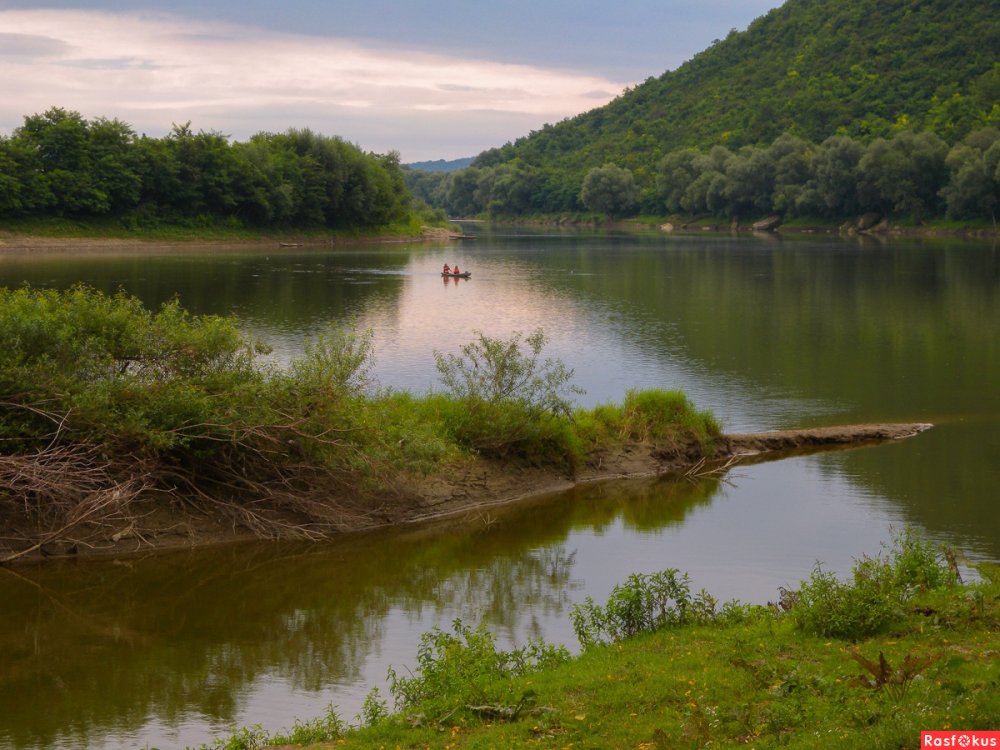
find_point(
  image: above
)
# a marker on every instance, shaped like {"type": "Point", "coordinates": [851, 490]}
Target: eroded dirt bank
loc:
{"type": "Point", "coordinates": [465, 488]}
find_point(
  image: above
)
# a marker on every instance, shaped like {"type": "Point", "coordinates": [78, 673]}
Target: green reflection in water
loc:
{"type": "Point", "coordinates": [90, 649]}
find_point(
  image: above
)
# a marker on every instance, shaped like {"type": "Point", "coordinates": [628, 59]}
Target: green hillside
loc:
{"type": "Point", "coordinates": [867, 69]}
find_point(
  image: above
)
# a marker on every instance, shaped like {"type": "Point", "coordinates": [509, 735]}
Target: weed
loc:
{"type": "Point", "coordinates": [643, 604]}
{"type": "Point", "coordinates": [373, 710]}
{"type": "Point", "coordinates": [829, 607]}
{"type": "Point", "coordinates": [464, 668]}
{"type": "Point", "coordinates": [894, 681]}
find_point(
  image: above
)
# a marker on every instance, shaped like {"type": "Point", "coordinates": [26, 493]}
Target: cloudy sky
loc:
{"type": "Point", "coordinates": [429, 78]}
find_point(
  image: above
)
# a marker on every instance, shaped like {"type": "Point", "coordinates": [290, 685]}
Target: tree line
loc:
{"type": "Point", "coordinates": [912, 174]}
{"type": "Point", "coordinates": [59, 164]}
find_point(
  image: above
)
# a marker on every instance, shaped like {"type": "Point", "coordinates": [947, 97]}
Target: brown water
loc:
{"type": "Point", "coordinates": [170, 649]}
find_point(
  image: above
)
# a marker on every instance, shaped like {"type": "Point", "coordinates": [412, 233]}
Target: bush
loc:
{"type": "Point", "coordinates": [871, 600]}
{"type": "Point", "coordinates": [643, 604]}
{"type": "Point", "coordinates": [509, 401]}
{"type": "Point", "coordinates": [830, 608]}
{"type": "Point", "coordinates": [917, 563]}
{"type": "Point", "coordinates": [495, 371]}
{"type": "Point", "coordinates": [465, 668]}
{"type": "Point", "coordinates": [336, 364]}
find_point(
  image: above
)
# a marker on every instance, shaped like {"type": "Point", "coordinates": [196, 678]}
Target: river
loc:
{"type": "Point", "coordinates": [169, 650]}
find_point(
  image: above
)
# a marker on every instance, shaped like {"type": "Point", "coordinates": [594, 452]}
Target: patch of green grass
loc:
{"type": "Point", "coordinates": [666, 418]}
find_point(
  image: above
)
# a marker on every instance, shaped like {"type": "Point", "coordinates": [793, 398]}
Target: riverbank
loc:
{"type": "Point", "coordinates": [69, 237]}
{"type": "Point", "coordinates": [468, 486]}
{"type": "Point", "coordinates": [901, 647]}
{"type": "Point", "coordinates": [878, 227]}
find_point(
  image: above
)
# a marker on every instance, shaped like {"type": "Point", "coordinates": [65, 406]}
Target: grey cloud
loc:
{"type": "Point", "coordinates": [116, 63]}
{"type": "Point", "coordinates": [16, 47]}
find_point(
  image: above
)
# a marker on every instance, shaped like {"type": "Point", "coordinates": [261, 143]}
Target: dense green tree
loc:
{"type": "Point", "coordinates": [792, 159]}
{"type": "Point", "coordinates": [60, 164]}
{"type": "Point", "coordinates": [59, 139]}
{"type": "Point", "coordinates": [974, 187]}
{"type": "Point", "coordinates": [749, 182]}
{"type": "Point", "coordinates": [461, 198]}
{"type": "Point", "coordinates": [904, 175]}
{"type": "Point", "coordinates": [610, 190]}
{"type": "Point", "coordinates": [709, 191]}
{"type": "Point", "coordinates": [836, 176]}
{"type": "Point", "coordinates": [675, 173]}
{"type": "Point", "coordinates": [115, 163]}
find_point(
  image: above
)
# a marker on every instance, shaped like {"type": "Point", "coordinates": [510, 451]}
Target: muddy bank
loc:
{"type": "Point", "coordinates": [465, 488]}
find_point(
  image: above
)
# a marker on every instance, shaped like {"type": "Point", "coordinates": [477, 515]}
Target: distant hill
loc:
{"type": "Point", "coordinates": [811, 68]}
{"type": "Point", "coordinates": [440, 165]}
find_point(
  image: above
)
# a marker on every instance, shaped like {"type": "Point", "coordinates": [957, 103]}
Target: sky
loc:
{"type": "Point", "coordinates": [431, 79]}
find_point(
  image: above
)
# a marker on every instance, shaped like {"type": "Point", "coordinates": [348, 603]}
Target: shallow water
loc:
{"type": "Point", "coordinates": [168, 649]}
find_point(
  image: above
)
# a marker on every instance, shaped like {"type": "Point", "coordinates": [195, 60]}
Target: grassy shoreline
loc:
{"type": "Point", "coordinates": [28, 231]}
{"type": "Point", "coordinates": [677, 670]}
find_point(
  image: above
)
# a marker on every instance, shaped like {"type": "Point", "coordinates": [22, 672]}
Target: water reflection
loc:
{"type": "Point", "coordinates": [184, 637]}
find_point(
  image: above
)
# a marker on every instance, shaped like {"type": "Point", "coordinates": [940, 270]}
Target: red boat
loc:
{"type": "Point", "coordinates": [463, 275]}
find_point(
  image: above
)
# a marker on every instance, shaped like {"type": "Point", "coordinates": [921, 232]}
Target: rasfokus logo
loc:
{"type": "Point", "coordinates": [968, 739]}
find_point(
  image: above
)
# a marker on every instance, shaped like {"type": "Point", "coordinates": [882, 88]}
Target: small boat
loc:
{"type": "Point", "coordinates": [463, 275]}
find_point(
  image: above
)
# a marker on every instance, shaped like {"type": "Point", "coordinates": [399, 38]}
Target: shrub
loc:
{"type": "Point", "coordinates": [511, 401]}
{"type": "Point", "coordinates": [337, 363]}
{"type": "Point", "coordinates": [871, 600]}
{"type": "Point", "coordinates": [917, 563]}
{"type": "Point", "coordinates": [643, 604]}
{"type": "Point", "coordinates": [831, 608]}
{"type": "Point", "coordinates": [497, 371]}
{"type": "Point", "coordinates": [464, 667]}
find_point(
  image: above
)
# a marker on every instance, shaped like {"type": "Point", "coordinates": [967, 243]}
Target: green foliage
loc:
{"type": "Point", "coordinates": [610, 190]}
{"type": "Point", "coordinates": [828, 607]}
{"type": "Point", "coordinates": [799, 75]}
{"type": "Point", "coordinates": [508, 400]}
{"type": "Point", "coordinates": [336, 364]}
{"type": "Point", "coordinates": [463, 668]}
{"type": "Point", "coordinates": [322, 729]}
{"type": "Point", "coordinates": [501, 371]}
{"type": "Point", "coordinates": [374, 708]}
{"type": "Point", "coordinates": [917, 564]}
{"type": "Point", "coordinates": [666, 418]}
{"type": "Point", "coordinates": [60, 164]}
{"type": "Point", "coordinates": [116, 371]}
{"type": "Point", "coordinates": [643, 604]}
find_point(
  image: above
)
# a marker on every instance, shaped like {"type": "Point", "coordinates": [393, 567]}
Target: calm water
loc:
{"type": "Point", "coordinates": [171, 649]}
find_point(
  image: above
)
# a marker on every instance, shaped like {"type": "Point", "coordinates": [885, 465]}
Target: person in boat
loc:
{"type": "Point", "coordinates": [446, 269]}
{"type": "Point", "coordinates": [454, 271]}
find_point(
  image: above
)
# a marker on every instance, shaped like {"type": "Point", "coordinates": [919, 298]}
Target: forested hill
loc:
{"type": "Point", "coordinates": [811, 68]}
